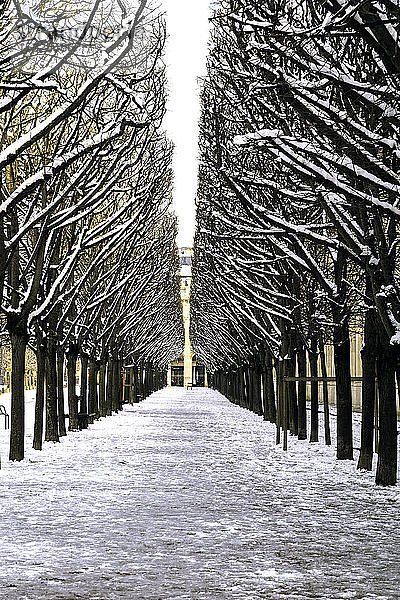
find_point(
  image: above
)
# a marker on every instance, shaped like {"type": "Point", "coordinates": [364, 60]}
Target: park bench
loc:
{"type": "Point", "coordinates": [83, 419]}
{"type": "Point", "coordinates": [4, 413]}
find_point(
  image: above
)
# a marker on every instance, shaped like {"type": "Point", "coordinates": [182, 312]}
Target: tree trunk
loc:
{"type": "Point", "coordinates": [92, 398]}
{"type": "Point", "coordinates": [151, 379]}
{"type": "Point", "coordinates": [237, 387]}
{"type": "Point", "coordinates": [102, 390]}
{"type": "Point", "coordinates": [343, 392]}
{"type": "Point", "coordinates": [140, 381]}
{"type": "Point", "coordinates": [257, 391]}
{"type": "Point", "coordinates": [51, 434]}
{"type": "Point", "coordinates": [386, 473]}
{"type": "Point", "coordinates": [109, 392]}
{"type": "Point", "coordinates": [60, 392]}
{"type": "Point", "coordinates": [270, 387]}
{"type": "Point", "coordinates": [242, 388]}
{"type": "Point", "coordinates": [84, 384]}
{"type": "Point", "coordinates": [325, 393]}
{"type": "Point", "coordinates": [135, 383]}
{"type": "Point", "coordinates": [301, 357]}
{"type": "Point", "coordinates": [279, 397]}
{"type": "Point", "coordinates": [250, 379]}
{"type": "Point", "coordinates": [120, 364]}
{"type": "Point", "coordinates": [313, 360]}
{"type": "Point", "coordinates": [341, 342]}
{"type": "Point", "coordinates": [283, 383]}
{"type": "Point", "coordinates": [291, 385]}
{"type": "Point", "coordinates": [129, 374]}
{"type": "Point", "coordinates": [72, 397]}
{"type": "Point", "coordinates": [19, 339]}
{"type": "Point", "coordinates": [115, 385]}
{"type": "Point", "coordinates": [302, 391]}
{"type": "Point", "coordinates": [39, 404]}
{"type": "Point", "coordinates": [368, 357]}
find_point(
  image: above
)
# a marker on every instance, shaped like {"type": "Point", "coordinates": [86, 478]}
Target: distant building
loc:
{"type": "Point", "coordinates": [185, 371]}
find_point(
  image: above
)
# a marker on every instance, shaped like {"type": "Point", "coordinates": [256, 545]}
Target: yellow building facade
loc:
{"type": "Point", "coordinates": [185, 371]}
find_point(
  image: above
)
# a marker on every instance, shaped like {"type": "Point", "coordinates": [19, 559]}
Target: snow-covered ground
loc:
{"type": "Point", "coordinates": [186, 497]}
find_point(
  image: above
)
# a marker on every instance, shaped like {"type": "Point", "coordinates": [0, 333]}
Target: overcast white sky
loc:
{"type": "Point", "coordinates": [188, 27]}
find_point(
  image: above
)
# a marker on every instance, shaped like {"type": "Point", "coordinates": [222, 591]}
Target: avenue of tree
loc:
{"type": "Point", "coordinates": [298, 215]}
{"type": "Point", "coordinates": [88, 259]}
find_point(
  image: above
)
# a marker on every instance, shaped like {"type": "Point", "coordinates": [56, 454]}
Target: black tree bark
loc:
{"type": "Point", "coordinates": [368, 357]}
{"type": "Point", "coordinates": [313, 360]}
{"type": "Point", "coordinates": [72, 356]}
{"type": "Point", "coordinates": [302, 390]}
{"type": "Point", "coordinates": [341, 343]}
{"type": "Point", "coordinates": [84, 384]}
{"type": "Point", "coordinates": [93, 406]}
{"type": "Point", "coordinates": [51, 434]}
{"type": "Point", "coordinates": [39, 404]}
{"type": "Point", "coordinates": [60, 392]}
{"type": "Point", "coordinates": [109, 392]}
{"type": "Point", "coordinates": [19, 338]}
{"type": "Point", "coordinates": [386, 473]}
{"type": "Point", "coordinates": [325, 392]}
{"type": "Point", "coordinates": [102, 390]}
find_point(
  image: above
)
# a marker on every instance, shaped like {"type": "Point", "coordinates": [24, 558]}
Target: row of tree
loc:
{"type": "Point", "coordinates": [88, 259]}
{"type": "Point", "coordinates": [298, 210]}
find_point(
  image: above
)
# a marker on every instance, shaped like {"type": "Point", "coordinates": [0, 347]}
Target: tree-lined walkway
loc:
{"type": "Point", "coordinates": [186, 496]}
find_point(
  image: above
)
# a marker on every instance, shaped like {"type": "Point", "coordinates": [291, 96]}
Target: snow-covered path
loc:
{"type": "Point", "coordinates": [186, 496]}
